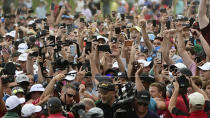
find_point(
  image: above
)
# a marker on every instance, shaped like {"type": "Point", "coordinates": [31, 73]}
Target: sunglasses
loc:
{"type": "Point", "coordinates": [142, 103]}
{"type": "Point", "coordinates": [70, 95]}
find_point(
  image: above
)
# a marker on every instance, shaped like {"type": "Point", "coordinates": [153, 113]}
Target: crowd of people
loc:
{"type": "Point", "coordinates": [105, 59]}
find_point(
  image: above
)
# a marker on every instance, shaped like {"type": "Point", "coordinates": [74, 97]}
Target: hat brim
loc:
{"type": "Point", "coordinates": [22, 100]}
{"type": "Point", "coordinates": [142, 101]}
{"type": "Point", "coordinates": [203, 68]}
{"type": "Point", "coordinates": [38, 108]}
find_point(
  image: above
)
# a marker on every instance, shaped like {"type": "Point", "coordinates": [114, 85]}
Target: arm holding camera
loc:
{"type": "Point", "coordinates": [197, 89]}
{"type": "Point", "coordinates": [172, 103]}
{"type": "Point", "coordinates": [49, 88]}
{"type": "Point", "coordinates": [139, 84]}
{"type": "Point", "coordinates": [148, 43]}
{"type": "Point", "coordinates": [188, 61]}
{"type": "Point", "coordinates": [29, 65]}
{"type": "Point", "coordinates": [94, 69]}
{"type": "Point", "coordinates": [204, 44]}
{"type": "Point", "coordinates": [59, 16]}
{"type": "Point", "coordinates": [166, 47]}
{"type": "Point", "coordinates": [40, 76]}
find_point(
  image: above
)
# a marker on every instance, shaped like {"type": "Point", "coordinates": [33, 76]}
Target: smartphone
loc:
{"type": "Point", "coordinates": [104, 48]}
{"type": "Point", "coordinates": [168, 24]}
{"type": "Point", "coordinates": [88, 47]}
{"type": "Point", "coordinates": [117, 30]}
{"type": "Point", "coordinates": [129, 17]}
{"type": "Point", "coordinates": [2, 20]}
{"type": "Point", "coordinates": [165, 67]}
{"type": "Point", "coordinates": [46, 27]}
{"type": "Point", "coordinates": [73, 50]}
{"type": "Point", "coordinates": [159, 56]}
{"type": "Point", "coordinates": [82, 20]}
{"type": "Point", "coordinates": [128, 33]}
{"type": "Point", "coordinates": [128, 43]}
{"type": "Point", "coordinates": [154, 23]}
{"type": "Point", "coordinates": [123, 27]}
{"type": "Point", "coordinates": [52, 6]}
{"type": "Point", "coordinates": [122, 17]}
{"type": "Point", "coordinates": [114, 40]}
{"type": "Point", "coordinates": [191, 39]}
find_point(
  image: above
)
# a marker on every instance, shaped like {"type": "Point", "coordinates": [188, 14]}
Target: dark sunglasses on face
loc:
{"type": "Point", "coordinates": [70, 95]}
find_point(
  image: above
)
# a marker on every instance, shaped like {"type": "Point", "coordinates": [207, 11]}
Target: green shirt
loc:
{"type": "Point", "coordinates": [10, 115]}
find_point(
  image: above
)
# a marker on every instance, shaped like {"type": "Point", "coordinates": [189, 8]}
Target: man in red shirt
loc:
{"type": "Point", "coordinates": [196, 104]}
{"type": "Point", "coordinates": [204, 21]}
{"type": "Point", "coordinates": [54, 108]}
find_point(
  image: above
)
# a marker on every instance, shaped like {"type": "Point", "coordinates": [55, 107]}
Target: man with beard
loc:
{"type": "Point", "coordinates": [107, 95]}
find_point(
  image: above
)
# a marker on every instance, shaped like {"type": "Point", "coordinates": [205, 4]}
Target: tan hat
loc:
{"type": "Point", "coordinates": [196, 99]}
{"type": "Point", "coordinates": [135, 28]}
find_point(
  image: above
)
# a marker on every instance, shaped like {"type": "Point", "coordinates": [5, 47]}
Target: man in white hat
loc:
{"type": "Point", "coordinates": [13, 106]}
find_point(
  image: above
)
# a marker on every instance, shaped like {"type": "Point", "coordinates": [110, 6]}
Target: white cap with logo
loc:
{"type": "Point", "coordinates": [37, 87]}
{"type": "Point", "coordinates": [13, 101]}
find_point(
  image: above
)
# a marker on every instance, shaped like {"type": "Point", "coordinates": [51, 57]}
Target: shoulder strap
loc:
{"type": "Point", "coordinates": [185, 101]}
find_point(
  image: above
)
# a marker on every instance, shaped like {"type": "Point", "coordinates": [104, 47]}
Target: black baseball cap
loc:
{"type": "Point", "coordinates": [107, 86]}
{"type": "Point", "coordinates": [185, 71]}
{"type": "Point", "coordinates": [143, 97]}
{"type": "Point", "coordinates": [122, 75]}
{"type": "Point", "coordinates": [54, 102]}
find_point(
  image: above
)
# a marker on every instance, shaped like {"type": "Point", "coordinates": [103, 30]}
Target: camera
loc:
{"type": "Point", "coordinates": [60, 63]}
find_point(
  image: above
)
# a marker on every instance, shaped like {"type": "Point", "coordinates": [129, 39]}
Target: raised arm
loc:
{"type": "Point", "coordinates": [49, 88]}
{"type": "Point", "coordinates": [139, 85]}
{"type": "Point", "coordinates": [202, 17]}
{"type": "Point", "coordinates": [204, 44]}
{"type": "Point", "coordinates": [172, 103]}
{"type": "Point", "coordinates": [148, 43]}
{"type": "Point", "coordinates": [181, 50]}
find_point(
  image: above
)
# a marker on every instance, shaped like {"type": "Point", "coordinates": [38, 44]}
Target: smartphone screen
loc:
{"type": "Point", "coordinates": [159, 56]}
{"type": "Point", "coordinates": [117, 30]}
{"type": "Point", "coordinates": [73, 50]}
{"type": "Point", "coordinates": [88, 47]}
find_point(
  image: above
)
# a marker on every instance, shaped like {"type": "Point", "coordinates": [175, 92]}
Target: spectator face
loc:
{"type": "Point", "coordinates": [36, 94]}
{"type": "Point", "coordinates": [204, 74]}
{"type": "Point", "coordinates": [135, 35]}
{"type": "Point", "coordinates": [31, 80]}
{"type": "Point", "coordinates": [88, 82]}
{"type": "Point", "coordinates": [141, 108]}
{"type": "Point", "coordinates": [157, 43]}
{"type": "Point", "coordinates": [154, 92]}
{"type": "Point", "coordinates": [20, 95]}
{"type": "Point", "coordinates": [70, 93]}
{"type": "Point", "coordinates": [207, 90]}
{"type": "Point", "coordinates": [106, 96]}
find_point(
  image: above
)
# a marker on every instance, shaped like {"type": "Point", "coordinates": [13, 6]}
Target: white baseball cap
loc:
{"type": "Point", "coordinates": [180, 65]}
{"type": "Point", "coordinates": [146, 63]}
{"type": "Point", "coordinates": [205, 66]}
{"type": "Point", "coordinates": [196, 99]}
{"type": "Point", "coordinates": [13, 101]}
{"type": "Point", "coordinates": [23, 57]}
{"type": "Point", "coordinates": [37, 87]}
{"type": "Point", "coordinates": [28, 109]}
{"type": "Point", "coordinates": [72, 75]}
{"type": "Point", "coordinates": [22, 78]}
{"type": "Point", "coordinates": [12, 34]}
{"type": "Point", "coordinates": [22, 47]}
{"type": "Point", "coordinates": [102, 37]}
